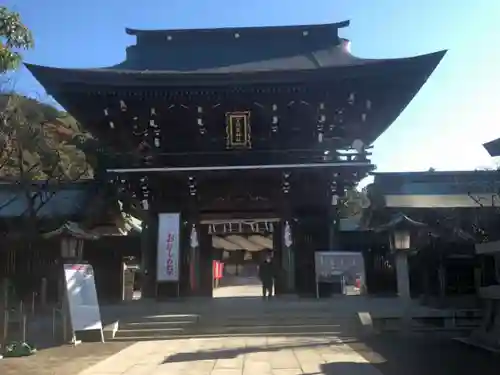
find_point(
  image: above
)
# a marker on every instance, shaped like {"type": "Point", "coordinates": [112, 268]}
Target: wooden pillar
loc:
{"type": "Point", "coordinates": [284, 238]}
{"type": "Point", "coordinates": [205, 262]}
{"type": "Point", "coordinates": [442, 279]}
{"type": "Point", "coordinates": [289, 247]}
{"type": "Point", "coordinates": [194, 255]}
{"type": "Point", "coordinates": [148, 254]}
{"type": "Point", "coordinates": [307, 242]}
{"type": "Point", "coordinates": [334, 194]}
{"type": "Point", "coordinates": [193, 237]}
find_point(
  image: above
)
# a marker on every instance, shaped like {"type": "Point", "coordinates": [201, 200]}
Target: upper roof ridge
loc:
{"type": "Point", "coordinates": [333, 26]}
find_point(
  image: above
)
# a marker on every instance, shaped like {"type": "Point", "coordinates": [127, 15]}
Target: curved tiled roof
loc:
{"type": "Point", "coordinates": [493, 147]}
{"type": "Point", "coordinates": [335, 66]}
{"type": "Point", "coordinates": [240, 59]}
{"type": "Point", "coordinates": [229, 50]}
{"type": "Point", "coordinates": [221, 31]}
{"type": "Point", "coordinates": [219, 56]}
{"type": "Point", "coordinates": [268, 59]}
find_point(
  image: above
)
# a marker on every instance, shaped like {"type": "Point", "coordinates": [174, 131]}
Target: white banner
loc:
{"type": "Point", "coordinates": [82, 297]}
{"type": "Point", "coordinates": [168, 247]}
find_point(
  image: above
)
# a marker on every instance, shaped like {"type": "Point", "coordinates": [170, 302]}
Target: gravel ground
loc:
{"type": "Point", "coordinates": [64, 360]}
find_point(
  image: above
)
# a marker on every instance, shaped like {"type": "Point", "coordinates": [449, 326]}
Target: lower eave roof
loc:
{"type": "Point", "coordinates": [68, 199]}
{"type": "Point", "coordinates": [60, 79]}
{"type": "Point", "coordinates": [452, 177]}
{"type": "Point", "coordinates": [493, 147]}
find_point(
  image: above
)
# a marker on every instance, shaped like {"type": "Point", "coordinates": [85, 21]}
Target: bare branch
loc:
{"type": "Point", "coordinates": [8, 202]}
{"type": "Point", "coordinates": [476, 200]}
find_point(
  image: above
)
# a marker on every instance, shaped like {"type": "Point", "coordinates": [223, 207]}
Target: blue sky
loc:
{"type": "Point", "coordinates": [456, 111]}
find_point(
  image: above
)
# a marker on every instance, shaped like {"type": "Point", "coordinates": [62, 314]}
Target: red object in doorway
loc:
{"type": "Point", "coordinates": [217, 269]}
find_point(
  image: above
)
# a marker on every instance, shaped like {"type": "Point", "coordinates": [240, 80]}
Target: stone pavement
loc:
{"type": "Point", "coordinates": [238, 287]}
{"type": "Point", "coordinates": [375, 355]}
{"type": "Point", "coordinates": [237, 356]}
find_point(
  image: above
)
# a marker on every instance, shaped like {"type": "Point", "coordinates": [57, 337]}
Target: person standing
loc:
{"type": "Point", "coordinates": [266, 275]}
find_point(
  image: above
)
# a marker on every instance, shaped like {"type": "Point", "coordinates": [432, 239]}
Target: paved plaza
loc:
{"type": "Point", "coordinates": [236, 356]}
{"type": "Point", "coordinates": [340, 353]}
{"type": "Point", "coordinates": [239, 287]}
{"type": "Point", "coordinates": [381, 355]}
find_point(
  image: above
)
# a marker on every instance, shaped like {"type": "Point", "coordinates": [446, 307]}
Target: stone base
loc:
{"type": "Point", "coordinates": [481, 343]}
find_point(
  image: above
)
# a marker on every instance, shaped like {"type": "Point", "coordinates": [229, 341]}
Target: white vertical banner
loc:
{"type": "Point", "coordinates": [168, 247]}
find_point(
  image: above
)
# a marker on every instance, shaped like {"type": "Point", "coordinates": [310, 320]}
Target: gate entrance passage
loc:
{"type": "Point", "coordinates": [238, 248]}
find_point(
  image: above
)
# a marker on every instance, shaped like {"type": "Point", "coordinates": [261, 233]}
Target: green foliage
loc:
{"type": "Point", "coordinates": [37, 142]}
{"type": "Point", "coordinates": [14, 36]}
{"type": "Point", "coordinates": [354, 203]}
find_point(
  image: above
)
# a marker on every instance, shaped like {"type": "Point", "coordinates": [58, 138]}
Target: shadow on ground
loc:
{"type": "Point", "coordinates": [348, 368]}
{"type": "Point", "coordinates": [230, 353]}
{"type": "Point", "coordinates": [394, 354]}
{"type": "Point", "coordinates": [387, 354]}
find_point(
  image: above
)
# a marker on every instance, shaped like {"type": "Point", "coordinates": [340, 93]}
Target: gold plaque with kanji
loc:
{"type": "Point", "coordinates": [238, 134]}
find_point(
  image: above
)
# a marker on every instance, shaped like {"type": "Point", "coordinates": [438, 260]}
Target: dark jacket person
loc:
{"type": "Point", "coordinates": [266, 275]}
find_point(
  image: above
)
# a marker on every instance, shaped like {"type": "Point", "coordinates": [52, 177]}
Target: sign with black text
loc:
{"type": "Point", "coordinates": [168, 247]}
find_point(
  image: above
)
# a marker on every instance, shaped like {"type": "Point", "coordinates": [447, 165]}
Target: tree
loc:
{"type": "Point", "coordinates": [39, 142]}
{"type": "Point", "coordinates": [354, 203]}
{"type": "Point", "coordinates": [38, 153]}
{"type": "Point", "coordinates": [14, 36]}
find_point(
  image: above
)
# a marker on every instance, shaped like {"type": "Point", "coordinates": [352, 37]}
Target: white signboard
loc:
{"type": "Point", "coordinates": [82, 297]}
{"type": "Point", "coordinates": [168, 247]}
{"type": "Point", "coordinates": [339, 266]}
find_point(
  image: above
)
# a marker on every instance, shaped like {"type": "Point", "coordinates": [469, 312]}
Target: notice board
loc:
{"type": "Point", "coordinates": [82, 299]}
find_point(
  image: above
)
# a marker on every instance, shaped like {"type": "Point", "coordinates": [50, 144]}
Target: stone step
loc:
{"type": "Point", "coordinates": [152, 325]}
{"type": "Point", "coordinates": [221, 322]}
{"type": "Point", "coordinates": [215, 331]}
{"type": "Point", "coordinates": [234, 320]}
{"type": "Point", "coordinates": [147, 328]}
{"type": "Point", "coordinates": [164, 318]}
{"type": "Point", "coordinates": [150, 332]}
{"type": "Point", "coordinates": [260, 318]}
{"type": "Point", "coordinates": [284, 321]}
{"type": "Point", "coordinates": [201, 336]}
{"type": "Point", "coordinates": [274, 328]}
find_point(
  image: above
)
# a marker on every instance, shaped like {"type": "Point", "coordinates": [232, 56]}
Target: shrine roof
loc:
{"type": "Point", "coordinates": [68, 199]}
{"type": "Point", "coordinates": [235, 50]}
{"type": "Point", "coordinates": [292, 71]}
{"type": "Point", "coordinates": [493, 147]}
{"type": "Point", "coordinates": [258, 30]}
{"type": "Point", "coordinates": [229, 56]}
{"type": "Point", "coordinates": [446, 189]}
{"type": "Point", "coordinates": [393, 179]}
